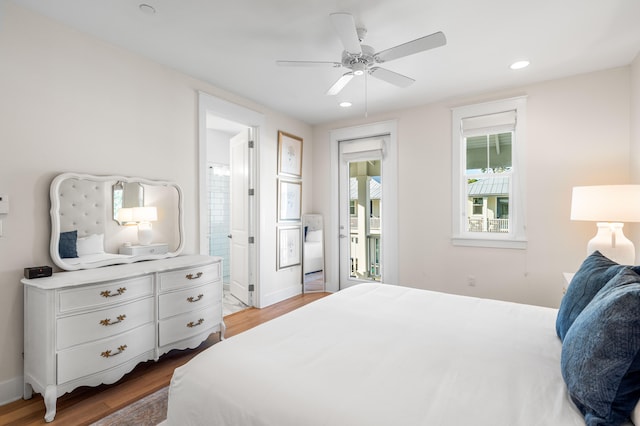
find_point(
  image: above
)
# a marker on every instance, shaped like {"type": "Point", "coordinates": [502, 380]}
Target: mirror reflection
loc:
{"type": "Point", "coordinates": [83, 234]}
{"type": "Point", "coordinates": [312, 253]}
{"type": "Point", "coordinates": [126, 195]}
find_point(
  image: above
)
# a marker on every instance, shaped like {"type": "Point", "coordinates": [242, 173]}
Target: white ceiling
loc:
{"type": "Point", "coordinates": [234, 44]}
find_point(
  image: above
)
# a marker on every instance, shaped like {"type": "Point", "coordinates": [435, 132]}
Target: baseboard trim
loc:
{"type": "Point", "coordinates": [281, 295]}
{"type": "Point", "coordinates": [11, 390]}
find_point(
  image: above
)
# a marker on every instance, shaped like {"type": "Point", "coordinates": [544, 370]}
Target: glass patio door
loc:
{"type": "Point", "coordinates": [360, 211]}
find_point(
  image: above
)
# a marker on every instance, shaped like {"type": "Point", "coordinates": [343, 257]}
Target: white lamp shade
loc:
{"type": "Point", "coordinates": [125, 215]}
{"type": "Point", "coordinates": [145, 214]}
{"type": "Point", "coordinates": [606, 203]}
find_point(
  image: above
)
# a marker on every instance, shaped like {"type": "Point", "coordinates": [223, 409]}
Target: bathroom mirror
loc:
{"type": "Point", "coordinates": [83, 234]}
{"type": "Point", "coordinates": [312, 253]}
{"type": "Point", "coordinates": [126, 195]}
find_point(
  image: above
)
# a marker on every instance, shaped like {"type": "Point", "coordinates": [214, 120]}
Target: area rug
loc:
{"type": "Point", "coordinates": [148, 411]}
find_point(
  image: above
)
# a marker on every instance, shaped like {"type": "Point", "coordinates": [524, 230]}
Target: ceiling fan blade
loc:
{"type": "Point", "coordinates": [391, 77]}
{"type": "Point", "coordinates": [345, 26]}
{"type": "Point", "coordinates": [339, 85]}
{"type": "Point", "coordinates": [409, 48]}
{"type": "Point", "coordinates": [308, 64]}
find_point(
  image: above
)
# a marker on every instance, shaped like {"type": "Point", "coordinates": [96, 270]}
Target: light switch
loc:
{"type": "Point", "coordinates": [4, 204]}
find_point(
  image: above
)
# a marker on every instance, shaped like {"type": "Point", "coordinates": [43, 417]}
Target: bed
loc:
{"type": "Point", "coordinates": [377, 354]}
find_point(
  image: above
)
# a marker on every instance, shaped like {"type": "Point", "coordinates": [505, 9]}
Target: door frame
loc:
{"type": "Point", "coordinates": [233, 112]}
{"type": "Point", "coordinates": [389, 249]}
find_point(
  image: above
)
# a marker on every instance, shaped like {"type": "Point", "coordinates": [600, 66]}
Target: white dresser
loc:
{"type": "Point", "coordinates": [88, 327]}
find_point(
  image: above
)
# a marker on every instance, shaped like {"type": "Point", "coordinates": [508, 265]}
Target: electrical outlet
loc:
{"type": "Point", "coordinates": [471, 281]}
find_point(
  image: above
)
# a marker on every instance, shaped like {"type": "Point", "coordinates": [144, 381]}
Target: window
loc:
{"type": "Point", "coordinates": [488, 174]}
{"type": "Point", "coordinates": [478, 203]}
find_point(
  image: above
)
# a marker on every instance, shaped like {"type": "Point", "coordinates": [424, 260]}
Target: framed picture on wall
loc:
{"type": "Point", "coordinates": [289, 154]}
{"type": "Point", "coordinates": [289, 243]}
{"type": "Point", "coordinates": [289, 200]}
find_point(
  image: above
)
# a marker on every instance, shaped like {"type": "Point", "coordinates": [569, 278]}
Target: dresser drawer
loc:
{"type": "Point", "coordinates": [189, 277]}
{"type": "Point", "coordinates": [95, 296]}
{"type": "Point", "coordinates": [186, 325]}
{"type": "Point", "coordinates": [104, 354]}
{"type": "Point", "coordinates": [190, 299]}
{"type": "Point", "coordinates": [83, 328]}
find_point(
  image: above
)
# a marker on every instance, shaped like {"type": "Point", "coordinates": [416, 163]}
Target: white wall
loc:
{"type": "Point", "coordinates": [278, 285]}
{"type": "Point", "coordinates": [578, 134]}
{"type": "Point", "coordinates": [71, 103]}
{"type": "Point", "coordinates": [634, 157]}
{"type": "Point", "coordinates": [218, 146]}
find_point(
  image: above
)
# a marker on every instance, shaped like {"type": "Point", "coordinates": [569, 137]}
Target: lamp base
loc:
{"type": "Point", "coordinates": [612, 243]}
{"type": "Point", "coordinates": [144, 233]}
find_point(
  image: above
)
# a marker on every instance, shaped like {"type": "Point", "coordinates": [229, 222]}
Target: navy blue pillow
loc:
{"type": "Point", "coordinates": [594, 273]}
{"type": "Point", "coordinates": [68, 243]}
{"type": "Point", "coordinates": [601, 353]}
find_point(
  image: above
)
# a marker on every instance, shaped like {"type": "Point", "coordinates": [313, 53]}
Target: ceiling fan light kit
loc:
{"type": "Point", "coordinates": [360, 58]}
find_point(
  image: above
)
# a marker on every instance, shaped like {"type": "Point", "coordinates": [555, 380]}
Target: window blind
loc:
{"type": "Point", "coordinates": [489, 124]}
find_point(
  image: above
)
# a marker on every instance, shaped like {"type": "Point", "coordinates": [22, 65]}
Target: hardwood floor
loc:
{"type": "Point", "coordinates": [86, 405]}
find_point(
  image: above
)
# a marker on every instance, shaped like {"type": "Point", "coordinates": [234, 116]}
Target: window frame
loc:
{"type": "Point", "coordinates": [516, 237]}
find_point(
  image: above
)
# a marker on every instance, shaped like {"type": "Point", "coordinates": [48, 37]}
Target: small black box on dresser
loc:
{"type": "Point", "coordinates": [37, 272]}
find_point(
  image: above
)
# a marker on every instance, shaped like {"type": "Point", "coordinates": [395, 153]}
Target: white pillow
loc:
{"type": "Point", "coordinates": [93, 244]}
{"type": "Point", "coordinates": [314, 236]}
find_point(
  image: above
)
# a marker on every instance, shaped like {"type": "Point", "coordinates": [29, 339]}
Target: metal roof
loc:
{"type": "Point", "coordinates": [375, 189]}
{"type": "Point", "coordinates": [489, 186]}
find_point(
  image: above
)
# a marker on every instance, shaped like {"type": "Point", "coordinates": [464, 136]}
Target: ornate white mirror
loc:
{"type": "Point", "coordinates": [312, 253]}
{"type": "Point", "coordinates": [107, 220]}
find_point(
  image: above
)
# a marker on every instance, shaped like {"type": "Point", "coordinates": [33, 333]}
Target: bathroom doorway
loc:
{"type": "Point", "coordinates": [225, 208]}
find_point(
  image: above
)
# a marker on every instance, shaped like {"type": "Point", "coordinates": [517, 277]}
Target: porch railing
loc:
{"type": "Point", "coordinates": [374, 223]}
{"type": "Point", "coordinates": [488, 225]}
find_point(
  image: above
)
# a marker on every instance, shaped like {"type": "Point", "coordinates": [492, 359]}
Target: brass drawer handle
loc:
{"type": "Point", "coordinates": [192, 324]}
{"type": "Point", "coordinates": [192, 299]}
{"type": "Point", "coordinates": [107, 293]}
{"type": "Point", "coordinates": [194, 277]}
{"type": "Point", "coordinates": [107, 321]}
{"type": "Point", "coordinates": [108, 354]}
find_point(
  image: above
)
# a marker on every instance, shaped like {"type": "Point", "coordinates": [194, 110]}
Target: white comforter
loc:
{"type": "Point", "coordinates": [382, 355]}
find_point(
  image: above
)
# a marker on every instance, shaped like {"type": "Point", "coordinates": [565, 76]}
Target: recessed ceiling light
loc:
{"type": "Point", "coordinates": [345, 104]}
{"type": "Point", "coordinates": [519, 65]}
{"type": "Point", "coordinates": [147, 9]}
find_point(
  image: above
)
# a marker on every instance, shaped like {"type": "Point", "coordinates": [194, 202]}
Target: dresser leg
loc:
{"type": "Point", "coordinates": [50, 396]}
{"type": "Point", "coordinates": [223, 329]}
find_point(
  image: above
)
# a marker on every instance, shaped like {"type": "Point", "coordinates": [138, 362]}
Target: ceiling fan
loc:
{"type": "Point", "coordinates": [360, 58]}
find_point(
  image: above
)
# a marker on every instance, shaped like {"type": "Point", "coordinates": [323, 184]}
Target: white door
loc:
{"type": "Point", "coordinates": [360, 182]}
{"type": "Point", "coordinates": [239, 221]}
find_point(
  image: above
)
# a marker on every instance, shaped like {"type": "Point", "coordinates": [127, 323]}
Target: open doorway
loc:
{"type": "Point", "coordinates": [228, 192]}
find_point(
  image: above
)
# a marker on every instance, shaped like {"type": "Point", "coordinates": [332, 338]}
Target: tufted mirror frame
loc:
{"type": "Point", "coordinates": [91, 207]}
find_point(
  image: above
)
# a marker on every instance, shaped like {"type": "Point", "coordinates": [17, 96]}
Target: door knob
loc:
{"type": "Point", "coordinates": [229, 236]}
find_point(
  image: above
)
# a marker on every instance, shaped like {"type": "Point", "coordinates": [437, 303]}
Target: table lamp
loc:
{"type": "Point", "coordinates": [144, 216]}
{"type": "Point", "coordinates": [125, 216]}
{"type": "Point", "coordinates": [609, 206]}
